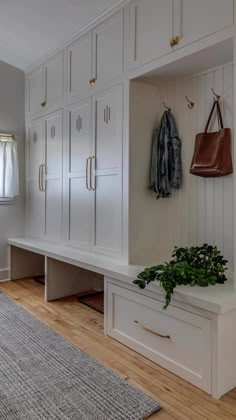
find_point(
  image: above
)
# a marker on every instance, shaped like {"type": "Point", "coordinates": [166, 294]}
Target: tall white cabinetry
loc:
{"type": "Point", "coordinates": [95, 173]}
{"type": "Point", "coordinates": [44, 180]}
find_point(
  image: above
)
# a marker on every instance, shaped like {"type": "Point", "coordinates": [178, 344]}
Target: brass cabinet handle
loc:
{"type": "Point", "coordinates": [91, 161]}
{"type": "Point", "coordinates": [144, 327]}
{"type": "Point", "coordinates": [87, 162]}
{"type": "Point", "coordinates": [92, 81]}
{"type": "Point", "coordinates": [40, 181]}
{"type": "Point", "coordinates": [43, 177]}
{"type": "Point", "coordinates": [43, 104]}
{"type": "Point", "coordinates": [174, 41]}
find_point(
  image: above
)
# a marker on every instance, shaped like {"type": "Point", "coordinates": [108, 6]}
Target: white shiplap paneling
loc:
{"type": "Point", "coordinates": [202, 211]}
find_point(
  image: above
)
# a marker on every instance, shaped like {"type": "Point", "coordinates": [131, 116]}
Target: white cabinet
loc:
{"type": "Point", "coordinates": [95, 59]}
{"type": "Point", "coordinates": [53, 76]}
{"type": "Point", "coordinates": [44, 87]}
{"type": "Point", "coordinates": [35, 91]}
{"type": "Point", "coordinates": [44, 178]}
{"type": "Point", "coordinates": [79, 157]}
{"type": "Point", "coordinates": [35, 196]}
{"type": "Point", "coordinates": [107, 172]}
{"type": "Point", "coordinates": [176, 339]}
{"type": "Point", "coordinates": [158, 25]}
{"type": "Point", "coordinates": [79, 67]}
{"type": "Point", "coordinates": [53, 175]}
{"type": "Point", "coordinates": [150, 30]}
{"type": "Point", "coordinates": [95, 173]}
{"type": "Point", "coordinates": [108, 50]}
{"type": "Point", "coordinates": [195, 20]}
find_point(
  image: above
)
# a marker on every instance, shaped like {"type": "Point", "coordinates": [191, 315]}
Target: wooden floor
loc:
{"type": "Point", "coordinates": [84, 327]}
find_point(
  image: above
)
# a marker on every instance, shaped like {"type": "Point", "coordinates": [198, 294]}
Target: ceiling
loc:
{"type": "Point", "coordinates": [31, 29]}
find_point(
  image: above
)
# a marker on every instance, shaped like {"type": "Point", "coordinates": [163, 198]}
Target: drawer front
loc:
{"type": "Point", "coordinates": [178, 340]}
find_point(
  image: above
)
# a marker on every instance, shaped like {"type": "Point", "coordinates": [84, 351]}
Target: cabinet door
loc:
{"type": "Point", "coordinates": [150, 30]}
{"type": "Point", "coordinates": [53, 175]}
{"type": "Point", "coordinates": [196, 19]}
{"type": "Point", "coordinates": [53, 70]}
{"type": "Point", "coordinates": [79, 67]}
{"type": "Point", "coordinates": [108, 50]}
{"type": "Point", "coordinates": [107, 173]}
{"type": "Point", "coordinates": [80, 193]}
{"type": "Point", "coordinates": [36, 195]}
{"type": "Point", "coordinates": [35, 94]}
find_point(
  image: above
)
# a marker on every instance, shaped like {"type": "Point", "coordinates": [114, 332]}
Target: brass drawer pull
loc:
{"type": "Point", "coordinates": [43, 104]}
{"type": "Point", "coordinates": [92, 82]}
{"type": "Point", "coordinates": [174, 41]}
{"type": "Point", "coordinates": [138, 324]}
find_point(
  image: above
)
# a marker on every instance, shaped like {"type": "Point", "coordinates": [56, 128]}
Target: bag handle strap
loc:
{"type": "Point", "coordinates": [217, 105]}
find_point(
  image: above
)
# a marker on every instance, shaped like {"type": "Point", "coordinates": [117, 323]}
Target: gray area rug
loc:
{"type": "Point", "coordinates": [42, 376]}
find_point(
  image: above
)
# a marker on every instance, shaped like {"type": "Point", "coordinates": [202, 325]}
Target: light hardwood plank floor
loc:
{"type": "Point", "coordinates": [83, 327]}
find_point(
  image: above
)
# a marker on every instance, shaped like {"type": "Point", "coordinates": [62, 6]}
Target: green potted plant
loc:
{"type": "Point", "coordinates": [194, 266]}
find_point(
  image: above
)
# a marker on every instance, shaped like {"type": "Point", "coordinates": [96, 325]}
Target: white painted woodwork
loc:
{"type": "Point", "coordinates": [150, 30]}
{"type": "Point", "coordinates": [45, 186]}
{"type": "Point", "coordinates": [64, 279]}
{"type": "Point", "coordinates": [108, 50]}
{"type": "Point", "coordinates": [107, 172]}
{"type": "Point", "coordinates": [202, 211]}
{"type": "Point", "coordinates": [79, 67]}
{"type": "Point", "coordinates": [36, 198]}
{"type": "Point", "coordinates": [35, 90]}
{"type": "Point", "coordinates": [80, 195]}
{"type": "Point", "coordinates": [25, 264]}
{"type": "Point", "coordinates": [195, 20]}
{"type": "Point", "coordinates": [186, 353]}
{"type": "Point", "coordinates": [53, 175]}
{"type": "Point", "coordinates": [54, 79]}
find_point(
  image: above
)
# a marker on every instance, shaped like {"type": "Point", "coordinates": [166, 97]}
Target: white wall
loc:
{"type": "Point", "coordinates": [12, 121]}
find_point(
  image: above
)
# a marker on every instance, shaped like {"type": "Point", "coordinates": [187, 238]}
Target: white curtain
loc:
{"type": "Point", "coordinates": [9, 171]}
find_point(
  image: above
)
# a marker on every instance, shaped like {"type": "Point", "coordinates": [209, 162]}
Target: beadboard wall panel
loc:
{"type": "Point", "coordinates": [202, 211]}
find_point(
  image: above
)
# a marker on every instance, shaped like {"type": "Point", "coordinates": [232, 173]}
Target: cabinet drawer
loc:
{"type": "Point", "coordinates": [178, 340]}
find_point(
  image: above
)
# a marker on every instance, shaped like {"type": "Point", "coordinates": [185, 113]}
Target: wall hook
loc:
{"type": "Point", "coordinates": [190, 103]}
{"type": "Point", "coordinates": [168, 109]}
{"type": "Point", "coordinates": [217, 97]}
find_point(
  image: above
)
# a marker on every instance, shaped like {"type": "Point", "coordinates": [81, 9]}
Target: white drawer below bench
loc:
{"type": "Point", "coordinates": [199, 349]}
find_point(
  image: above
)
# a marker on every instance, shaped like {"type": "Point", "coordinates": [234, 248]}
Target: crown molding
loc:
{"type": "Point", "coordinates": [91, 25]}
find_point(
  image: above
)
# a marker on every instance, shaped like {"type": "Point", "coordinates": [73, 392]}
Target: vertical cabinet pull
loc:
{"type": "Point", "coordinates": [40, 179]}
{"type": "Point", "coordinates": [43, 177]}
{"type": "Point", "coordinates": [87, 164]}
{"type": "Point", "coordinates": [92, 170]}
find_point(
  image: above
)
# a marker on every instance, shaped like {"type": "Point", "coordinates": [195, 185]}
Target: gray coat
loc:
{"type": "Point", "coordinates": [166, 165]}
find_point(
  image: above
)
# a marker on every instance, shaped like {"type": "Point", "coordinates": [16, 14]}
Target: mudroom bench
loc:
{"type": "Point", "coordinates": [194, 338]}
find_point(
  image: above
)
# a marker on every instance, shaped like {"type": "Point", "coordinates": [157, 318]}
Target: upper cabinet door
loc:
{"type": "Point", "coordinates": [194, 20]}
{"type": "Point", "coordinates": [108, 50]}
{"type": "Point", "coordinates": [53, 76]}
{"type": "Point", "coordinates": [35, 86]}
{"type": "Point", "coordinates": [150, 30]}
{"type": "Point", "coordinates": [79, 67]}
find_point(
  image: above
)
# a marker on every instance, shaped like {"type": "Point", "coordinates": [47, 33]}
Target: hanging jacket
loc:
{"type": "Point", "coordinates": [166, 165]}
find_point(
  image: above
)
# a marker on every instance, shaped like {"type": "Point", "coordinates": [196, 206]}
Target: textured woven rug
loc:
{"type": "Point", "coordinates": [42, 376]}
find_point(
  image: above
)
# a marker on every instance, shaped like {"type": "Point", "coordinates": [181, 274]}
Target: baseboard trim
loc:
{"type": "Point", "coordinates": [4, 274]}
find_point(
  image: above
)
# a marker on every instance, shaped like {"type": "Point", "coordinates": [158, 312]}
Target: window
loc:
{"type": "Point", "coordinates": [9, 172]}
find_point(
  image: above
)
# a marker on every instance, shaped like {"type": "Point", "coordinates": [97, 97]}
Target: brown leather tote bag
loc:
{"type": "Point", "coordinates": [212, 154]}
